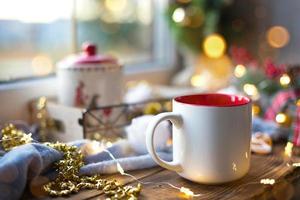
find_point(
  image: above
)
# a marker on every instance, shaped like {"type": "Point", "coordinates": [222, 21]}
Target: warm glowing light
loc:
{"type": "Point", "coordinates": [234, 168]}
{"type": "Point", "coordinates": [298, 102]}
{"type": "Point", "coordinates": [35, 11]}
{"type": "Point", "coordinates": [41, 65]}
{"type": "Point", "coordinates": [118, 11]}
{"type": "Point", "coordinates": [278, 36]}
{"type": "Point", "coordinates": [87, 10]}
{"type": "Point", "coordinates": [285, 80]}
{"type": "Point", "coordinates": [288, 149]}
{"type": "Point", "coordinates": [115, 5]}
{"type": "Point", "coordinates": [97, 136]}
{"type": "Point", "coordinates": [214, 46]}
{"type": "Point", "coordinates": [144, 11]}
{"type": "Point", "coordinates": [296, 164]}
{"type": "Point", "coordinates": [240, 71]}
{"type": "Point", "coordinates": [108, 144]}
{"type": "Point", "coordinates": [246, 155]}
{"type": "Point", "coordinates": [93, 147]}
{"type": "Point", "coordinates": [178, 15]}
{"type": "Point", "coordinates": [251, 90]}
{"type": "Point", "coordinates": [197, 81]}
{"type": "Point", "coordinates": [187, 192]}
{"type": "Point", "coordinates": [255, 110]}
{"type": "Point", "coordinates": [169, 142]}
{"type": "Point", "coordinates": [267, 181]}
{"type": "Point", "coordinates": [120, 169]}
{"type": "Point", "coordinates": [281, 118]}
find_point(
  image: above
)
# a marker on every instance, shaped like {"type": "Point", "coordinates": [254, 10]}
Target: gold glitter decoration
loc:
{"type": "Point", "coordinates": [152, 108]}
{"type": "Point", "coordinates": [12, 137]}
{"type": "Point", "coordinates": [45, 123]}
{"type": "Point", "coordinates": [68, 180]}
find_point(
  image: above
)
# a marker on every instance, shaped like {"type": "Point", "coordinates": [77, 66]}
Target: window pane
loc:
{"type": "Point", "coordinates": [34, 34]}
{"type": "Point", "coordinates": [123, 28]}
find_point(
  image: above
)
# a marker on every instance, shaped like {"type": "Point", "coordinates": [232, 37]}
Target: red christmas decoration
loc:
{"type": "Point", "coordinates": [242, 56]}
{"type": "Point", "coordinates": [273, 71]}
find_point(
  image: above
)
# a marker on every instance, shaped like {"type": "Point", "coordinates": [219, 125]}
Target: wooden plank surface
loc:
{"type": "Point", "coordinates": [261, 167]}
{"type": "Point", "coordinates": [270, 166]}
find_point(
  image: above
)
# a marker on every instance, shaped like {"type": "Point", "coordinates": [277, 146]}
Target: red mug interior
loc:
{"type": "Point", "coordinates": [217, 100]}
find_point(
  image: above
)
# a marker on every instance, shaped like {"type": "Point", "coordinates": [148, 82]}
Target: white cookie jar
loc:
{"type": "Point", "coordinates": [89, 80]}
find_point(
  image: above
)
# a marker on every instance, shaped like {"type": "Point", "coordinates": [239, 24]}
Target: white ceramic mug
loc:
{"type": "Point", "coordinates": [211, 137]}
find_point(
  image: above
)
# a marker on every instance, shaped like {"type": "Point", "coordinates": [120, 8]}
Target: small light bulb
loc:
{"type": "Point", "coordinates": [240, 71]}
{"type": "Point", "coordinates": [288, 149]}
{"type": "Point", "coordinates": [108, 144]}
{"type": "Point", "coordinates": [281, 118]}
{"type": "Point", "coordinates": [120, 169]}
{"type": "Point", "coordinates": [285, 80]}
{"type": "Point", "coordinates": [187, 192]}
{"type": "Point", "coordinates": [267, 181]}
{"type": "Point", "coordinates": [234, 168]}
{"type": "Point", "coordinates": [296, 164]}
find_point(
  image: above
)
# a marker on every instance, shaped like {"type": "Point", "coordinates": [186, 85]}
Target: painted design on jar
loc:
{"type": "Point", "coordinates": [80, 96]}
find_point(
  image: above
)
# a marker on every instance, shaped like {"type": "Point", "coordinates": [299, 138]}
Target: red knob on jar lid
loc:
{"type": "Point", "coordinates": [89, 48]}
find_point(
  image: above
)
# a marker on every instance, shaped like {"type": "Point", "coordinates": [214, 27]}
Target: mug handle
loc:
{"type": "Point", "coordinates": [176, 120]}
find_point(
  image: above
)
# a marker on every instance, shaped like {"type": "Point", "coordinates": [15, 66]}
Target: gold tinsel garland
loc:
{"type": "Point", "coordinates": [12, 137]}
{"type": "Point", "coordinates": [68, 180]}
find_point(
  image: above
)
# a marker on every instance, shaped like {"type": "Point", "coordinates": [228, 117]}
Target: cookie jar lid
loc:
{"type": "Point", "coordinates": [87, 57]}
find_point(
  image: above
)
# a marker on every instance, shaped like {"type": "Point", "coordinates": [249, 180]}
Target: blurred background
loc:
{"type": "Point", "coordinates": [35, 34]}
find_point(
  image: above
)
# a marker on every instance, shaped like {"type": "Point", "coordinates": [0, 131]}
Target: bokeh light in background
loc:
{"type": "Point", "coordinates": [251, 91]}
{"type": "Point", "coordinates": [214, 46]}
{"type": "Point", "coordinates": [240, 71]}
{"type": "Point", "coordinates": [255, 110]}
{"type": "Point", "coordinates": [285, 80]}
{"type": "Point", "coordinates": [117, 11]}
{"type": "Point", "coordinates": [87, 10]}
{"type": "Point", "coordinates": [115, 5]}
{"type": "Point", "coordinates": [197, 81]}
{"type": "Point", "coordinates": [42, 65]}
{"type": "Point", "coordinates": [281, 118]}
{"type": "Point", "coordinates": [178, 15]}
{"type": "Point", "coordinates": [143, 13]}
{"type": "Point", "coordinates": [278, 36]}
